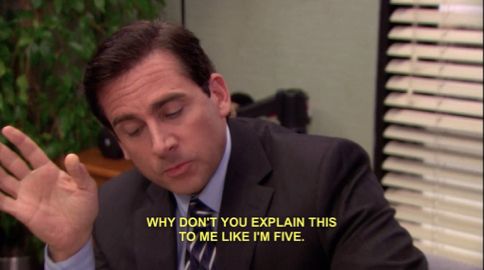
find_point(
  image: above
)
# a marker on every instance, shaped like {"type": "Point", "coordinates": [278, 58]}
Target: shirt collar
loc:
{"type": "Point", "coordinates": [211, 194]}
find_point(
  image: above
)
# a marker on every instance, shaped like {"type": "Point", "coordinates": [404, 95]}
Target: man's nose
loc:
{"type": "Point", "coordinates": [162, 142]}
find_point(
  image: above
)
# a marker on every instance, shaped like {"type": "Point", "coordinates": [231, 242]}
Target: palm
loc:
{"type": "Point", "coordinates": [54, 208]}
{"type": "Point", "coordinates": [58, 207]}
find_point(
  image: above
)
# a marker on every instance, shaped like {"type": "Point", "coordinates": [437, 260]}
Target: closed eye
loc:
{"type": "Point", "coordinates": [174, 114]}
{"type": "Point", "coordinates": [131, 130]}
{"type": "Point", "coordinates": [134, 133]}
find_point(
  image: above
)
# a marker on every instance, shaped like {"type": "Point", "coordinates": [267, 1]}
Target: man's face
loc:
{"type": "Point", "coordinates": [172, 131]}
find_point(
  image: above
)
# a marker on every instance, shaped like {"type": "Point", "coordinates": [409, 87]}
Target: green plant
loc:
{"type": "Point", "coordinates": [44, 46]}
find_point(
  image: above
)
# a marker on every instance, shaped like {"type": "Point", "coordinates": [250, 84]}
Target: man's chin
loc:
{"type": "Point", "coordinates": [185, 191]}
{"type": "Point", "coordinates": [183, 187]}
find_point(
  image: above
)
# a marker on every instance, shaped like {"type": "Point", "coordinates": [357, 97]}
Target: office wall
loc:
{"type": "Point", "coordinates": [326, 47]}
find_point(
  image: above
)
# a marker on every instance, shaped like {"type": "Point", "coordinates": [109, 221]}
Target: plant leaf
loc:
{"type": "Point", "coordinates": [24, 40]}
{"type": "Point", "coordinates": [36, 3]}
{"type": "Point", "coordinates": [22, 85]}
{"type": "Point", "coordinates": [100, 5]}
{"type": "Point", "coordinates": [3, 69]}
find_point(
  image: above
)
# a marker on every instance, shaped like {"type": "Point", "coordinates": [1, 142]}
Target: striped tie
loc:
{"type": "Point", "coordinates": [200, 254]}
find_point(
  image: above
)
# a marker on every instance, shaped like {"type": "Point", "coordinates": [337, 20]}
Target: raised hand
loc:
{"type": "Point", "coordinates": [58, 207]}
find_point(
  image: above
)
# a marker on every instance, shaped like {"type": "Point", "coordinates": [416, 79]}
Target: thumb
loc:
{"type": "Point", "coordinates": [77, 171]}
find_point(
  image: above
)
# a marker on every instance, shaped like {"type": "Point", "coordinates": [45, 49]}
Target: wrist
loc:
{"type": "Point", "coordinates": [59, 254]}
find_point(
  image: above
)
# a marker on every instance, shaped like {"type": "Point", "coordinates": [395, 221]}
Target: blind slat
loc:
{"type": "Point", "coordinates": [436, 17]}
{"type": "Point", "coordinates": [430, 34]}
{"type": "Point", "coordinates": [436, 52]}
{"type": "Point", "coordinates": [444, 237]}
{"type": "Point", "coordinates": [437, 122]}
{"type": "Point", "coordinates": [416, 183]}
{"type": "Point", "coordinates": [435, 140]}
{"type": "Point", "coordinates": [428, 247]}
{"type": "Point", "coordinates": [442, 203]}
{"type": "Point", "coordinates": [436, 104]}
{"type": "Point", "coordinates": [468, 90]}
{"type": "Point", "coordinates": [435, 157]}
{"type": "Point", "coordinates": [438, 175]}
{"type": "Point", "coordinates": [436, 2]}
{"type": "Point", "coordinates": [472, 226]}
{"type": "Point", "coordinates": [436, 69]}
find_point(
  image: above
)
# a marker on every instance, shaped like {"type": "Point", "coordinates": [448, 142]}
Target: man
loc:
{"type": "Point", "coordinates": [154, 87]}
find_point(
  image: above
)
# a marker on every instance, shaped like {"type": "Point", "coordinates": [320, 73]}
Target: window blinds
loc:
{"type": "Point", "coordinates": [433, 167]}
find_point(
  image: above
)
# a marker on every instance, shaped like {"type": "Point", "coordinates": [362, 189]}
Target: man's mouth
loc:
{"type": "Point", "coordinates": [177, 169]}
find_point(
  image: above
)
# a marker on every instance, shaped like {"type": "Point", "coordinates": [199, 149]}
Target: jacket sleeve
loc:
{"type": "Point", "coordinates": [99, 259]}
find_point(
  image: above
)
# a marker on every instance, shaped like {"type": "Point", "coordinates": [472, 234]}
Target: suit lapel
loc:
{"type": "Point", "coordinates": [155, 248]}
{"type": "Point", "coordinates": [243, 195]}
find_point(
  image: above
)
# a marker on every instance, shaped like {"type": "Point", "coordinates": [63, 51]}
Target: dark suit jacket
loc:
{"type": "Point", "coordinates": [271, 172]}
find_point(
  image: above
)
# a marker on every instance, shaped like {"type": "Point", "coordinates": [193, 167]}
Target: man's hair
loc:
{"type": "Point", "coordinates": [131, 44]}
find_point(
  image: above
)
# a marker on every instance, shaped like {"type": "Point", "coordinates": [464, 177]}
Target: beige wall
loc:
{"type": "Point", "coordinates": [326, 47]}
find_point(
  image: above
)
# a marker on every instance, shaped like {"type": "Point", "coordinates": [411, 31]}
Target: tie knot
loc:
{"type": "Point", "coordinates": [198, 209]}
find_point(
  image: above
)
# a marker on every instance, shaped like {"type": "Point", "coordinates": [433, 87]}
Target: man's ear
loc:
{"type": "Point", "coordinates": [219, 94]}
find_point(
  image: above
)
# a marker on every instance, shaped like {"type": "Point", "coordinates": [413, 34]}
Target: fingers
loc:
{"type": "Point", "coordinates": [77, 171]}
{"type": "Point", "coordinates": [12, 162]}
{"type": "Point", "coordinates": [7, 204]}
{"type": "Point", "coordinates": [8, 184]}
{"type": "Point", "coordinates": [29, 149]}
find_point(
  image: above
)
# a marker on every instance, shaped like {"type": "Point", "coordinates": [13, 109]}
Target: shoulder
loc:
{"type": "Point", "coordinates": [324, 164]}
{"type": "Point", "coordinates": [310, 163]}
{"type": "Point", "coordinates": [279, 142]}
